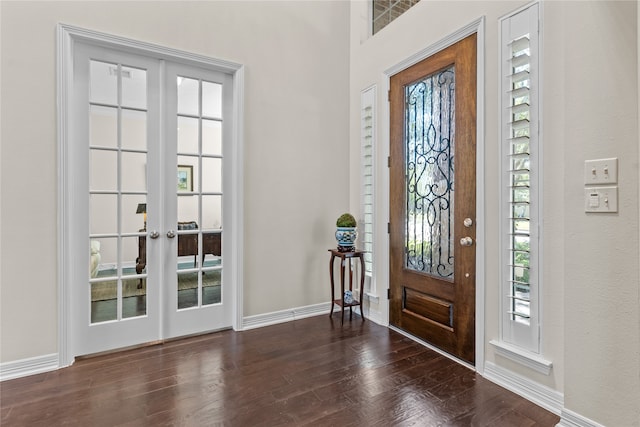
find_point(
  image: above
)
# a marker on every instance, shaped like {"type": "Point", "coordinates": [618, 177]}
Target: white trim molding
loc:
{"type": "Point", "coordinates": [541, 395]}
{"type": "Point", "coordinates": [29, 366]}
{"type": "Point", "coordinates": [297, 313]}
{"type": "Point", "coordinates": [523, 357]}
{"type": "Point", "coordinates": [282, 316]}
{"type": "Point", "coordinates": [571, 419]}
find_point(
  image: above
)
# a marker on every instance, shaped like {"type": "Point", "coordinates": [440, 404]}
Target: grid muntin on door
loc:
{"type": "Point", "coordinates": [117, 186]}
{"type": "Point", "coordinates": [199, 191]}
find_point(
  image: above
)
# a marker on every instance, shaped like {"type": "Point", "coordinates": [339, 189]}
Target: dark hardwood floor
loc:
{"type": "Point", "coordinates": [308, 372]}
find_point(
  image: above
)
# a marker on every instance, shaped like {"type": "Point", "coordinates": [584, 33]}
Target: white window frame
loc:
{"type": "Point", "coordinates": [520, 341]}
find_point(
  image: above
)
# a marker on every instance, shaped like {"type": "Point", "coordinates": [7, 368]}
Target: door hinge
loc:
{"type": "Point", "coordinates": [388, 161]}
{"type": "Point", "coordinates": [388, 293]}
{"type": "Point", "coordinates": [389, 95]}
{"type": "Point", "coordinates": [388, 228]}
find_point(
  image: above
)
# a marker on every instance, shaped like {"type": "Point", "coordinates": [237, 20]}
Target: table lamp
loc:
{"type": "Point", "coordinates": [142, 209]}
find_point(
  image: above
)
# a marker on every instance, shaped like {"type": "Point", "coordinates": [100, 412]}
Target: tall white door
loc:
{"type": "Point", "coordinates": [146, 161]}
{"type": "Point", "coordinates": [198, 108]}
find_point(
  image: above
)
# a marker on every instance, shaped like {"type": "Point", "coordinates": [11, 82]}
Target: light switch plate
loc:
{"type": "Point", "coordinates": [601, 171]}
{"type": "Point", "coordinates": [601, 199]}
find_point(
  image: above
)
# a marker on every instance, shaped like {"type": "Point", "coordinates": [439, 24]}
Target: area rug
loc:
{"type": "Point", "coordinates": [107, 289]}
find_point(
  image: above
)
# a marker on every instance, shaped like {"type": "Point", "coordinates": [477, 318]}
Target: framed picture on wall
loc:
{"type": "Point", "coordinates": [185, 178]}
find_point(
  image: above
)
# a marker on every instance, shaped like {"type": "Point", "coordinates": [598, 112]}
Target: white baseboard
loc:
{"type": "Point", "coordinates": [375, 316]}
{"type": "Point", "coordinates": [571, 419]}
{"type": "Point", "coordinates": [541, 395]}
{"type": "Point", "coordinates": [30, 366]}
{"type": "Point", "coordinates": [288, 315]}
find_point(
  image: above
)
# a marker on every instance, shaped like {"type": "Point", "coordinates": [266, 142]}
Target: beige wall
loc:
{"type": "Point", "coordinates": [296, 143]}
{"type": "Point", "coordinates": [298, 74]}
{"type": "Point", "coordinates": [591, 262]}
{"type": "Point", "coordinates": [602, 350]}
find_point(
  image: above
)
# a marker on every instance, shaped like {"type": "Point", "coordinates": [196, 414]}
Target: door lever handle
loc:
{"type": "Point", "coordinates": [154, 234]}
{"type": "Point", "coordinates": [171, 234]}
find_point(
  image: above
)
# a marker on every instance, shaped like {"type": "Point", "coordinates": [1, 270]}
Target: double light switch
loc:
{"type": "Point", "coordinates": [604, 196]}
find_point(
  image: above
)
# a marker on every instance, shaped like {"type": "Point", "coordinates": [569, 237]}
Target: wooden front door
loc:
{"type": "Point", "coordinates": [432, 199]}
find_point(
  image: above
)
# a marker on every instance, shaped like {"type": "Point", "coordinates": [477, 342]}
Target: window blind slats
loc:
{"type": "Point", "coordinates": [519, 108]}
{"type": "Point", "coordinates": [519, 124]}
{"type": "Point", "coordinates": [519, 92]}
{"type": "Point", "coordinates": [520, 76]}
{"type": "Point", "coordinates": [520, 60]}
{"type": "Point", "coordinates": [519, 44]}
{"type": "Point", "coordinates": [367, 162]}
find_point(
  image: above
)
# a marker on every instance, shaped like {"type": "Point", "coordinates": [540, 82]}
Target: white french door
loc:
{"type": "Point", "coordinates": [198, 103]}
{"type": "Point", "coordinates": [146, 173]}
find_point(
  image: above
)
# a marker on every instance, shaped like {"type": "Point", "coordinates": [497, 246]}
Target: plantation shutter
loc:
{"type": "Point", "coordinates": [520, 178]}
{"type": "Point", "coordinates": [367, 135]}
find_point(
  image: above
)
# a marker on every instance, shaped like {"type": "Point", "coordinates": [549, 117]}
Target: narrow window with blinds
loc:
{"type": "Point", "coordinates": [520, 182]}
{"type": "Point", "coordinates": [368, 97]}
{"type": "Point", "coordinates": [520, 149]}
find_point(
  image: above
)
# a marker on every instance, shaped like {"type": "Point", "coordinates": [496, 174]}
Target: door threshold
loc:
{"type": "Point", "coordinates": [119, 350]}
{"type": "Point", "coordinates": [432, 347]}
{"type": "Point", "coordinates": [149, 344]}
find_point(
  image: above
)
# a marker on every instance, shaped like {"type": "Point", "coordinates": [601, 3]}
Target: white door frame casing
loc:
{"type": "Point", "coordinates": [478, 27]}
{"type": "Point", "coordinates": [67, 36]}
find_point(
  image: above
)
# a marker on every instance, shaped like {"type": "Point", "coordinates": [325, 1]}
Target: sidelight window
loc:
{"type": "Point", "coordinates": [367, 103]}
{"type": "Point", "coordinates": [521, 178]}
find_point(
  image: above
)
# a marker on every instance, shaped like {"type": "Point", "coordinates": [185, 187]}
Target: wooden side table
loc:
{"type": "Point", "coordinates": [344, 257]}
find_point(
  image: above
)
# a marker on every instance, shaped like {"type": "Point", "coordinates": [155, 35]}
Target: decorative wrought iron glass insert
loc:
{"type": "Point", "coordinates": [385, 11]}
{"type": "Point", "coordinates": [429, 174]}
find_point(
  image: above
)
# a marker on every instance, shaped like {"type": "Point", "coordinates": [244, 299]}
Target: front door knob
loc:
{"type": "Point", "coordinates": [171, 234]}
{"type": "Point", "coordinates": [154, 234]}
{"type": "Point", "coordinates": [466, 241]}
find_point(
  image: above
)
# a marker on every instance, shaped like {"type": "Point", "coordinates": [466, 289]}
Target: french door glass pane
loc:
{"type": "Point", "coordinates": [188, 96]}
{"type": "Point", "coordinates": [188, 208]}
{"type": "Point", "coordinates": [102, 165]}
{"type": "Point", "coordinates": [134, 130]}
{"type": "Point", "coordinates": [132, 221]}
{"type": "Point", "coordinates": [187, 135]}
{"type": "Point", "coordinates": [188, 175]}
{"type": "Point", "coordinates": [429, 181]}
{"type": "Point", "coordinates": [134, 88]}
{"type": "Point", "coordinates": [212, 137]}
{"type": "Point", "coordinates": [129, 255]}
{"type": "Point", "coordinates": [211, 212]}
{"type": "Point", "coordinates": [199, 191]}
{"type": "Point", "coordinates": [211, 99]}
{"type": "Point", "coordinates": [188, 289]}
{"type": "Point", "coordinates": [211, 289]}
{"type": "Point", "coordinates": [103, 88]}
{"type": "Point", "coordinates": [103, 217]}
{"type": "Point", "coordinates": [104, 126]}
{"type": "Point", "coordinates": [117, 191]}
{"type": "Point", "coordinates": [103, 301]}
{"type": "Point", "coordinates": [134, 171]}
{"type": "Point", "coordinates": [211, 175]}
